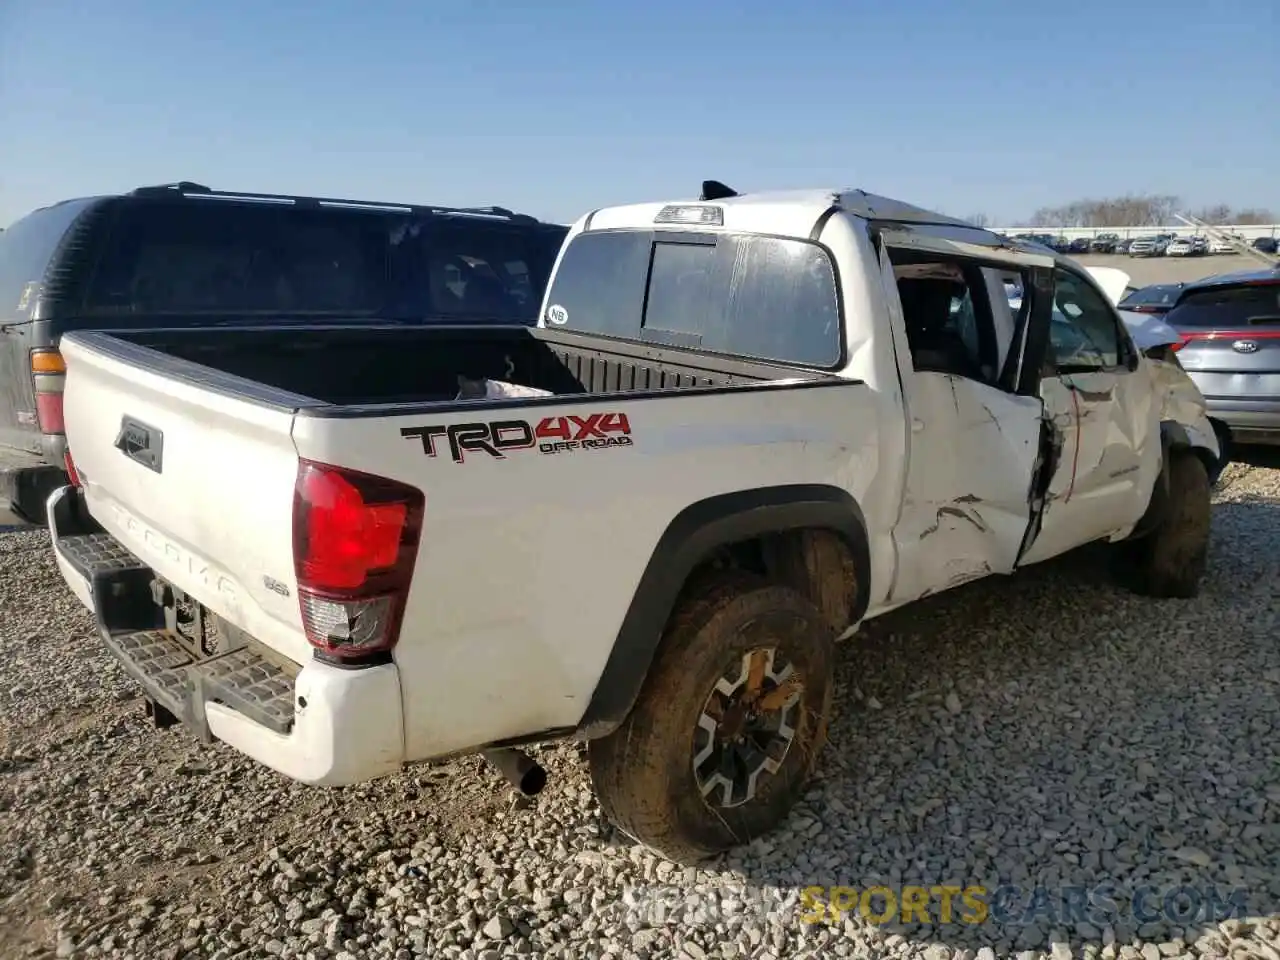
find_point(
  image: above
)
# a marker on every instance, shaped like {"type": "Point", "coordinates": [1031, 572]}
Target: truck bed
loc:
{"type": "Point", "coordinates": [195, 452]}
{"type": "Point", "coordinates": [371, 366]}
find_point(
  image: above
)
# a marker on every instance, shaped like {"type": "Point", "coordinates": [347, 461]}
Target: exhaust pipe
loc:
{"type": "Point", "coordinates": [518, 769]}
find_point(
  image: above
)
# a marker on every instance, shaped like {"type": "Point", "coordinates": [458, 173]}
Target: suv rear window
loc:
{"type": "Point", "coordinates": [197, 257]}
{"type": "Point", "coordinates": [1237, 305]}
{"type": "Point", "coordinates": [1156, 294]}
{"type": "Point", "coordinates": [744, 295]}
{"type": "Point", "coordinates": [26, 248]}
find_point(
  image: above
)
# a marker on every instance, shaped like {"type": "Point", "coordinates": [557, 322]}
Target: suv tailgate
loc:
{"type": "Point", "coordinates": [197, 483]}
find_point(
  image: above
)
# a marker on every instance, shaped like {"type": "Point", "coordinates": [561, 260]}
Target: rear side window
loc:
{"type": "Point", "coordinates": [198, 257]}
{"type": "Point", "coordinates": [1155, 295]}
{"type": "Point", "coordinates": [743, 295]}
{"type": "Point", "coordinates": [1228, 306]}
{"type": "Point", "coordinates": [472, 271]}
{"type": "Point", "coordinates": [26, 248]}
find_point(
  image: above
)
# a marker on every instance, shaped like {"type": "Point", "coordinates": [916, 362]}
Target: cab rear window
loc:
{"type": "Point", "coordinates": [744, 295]}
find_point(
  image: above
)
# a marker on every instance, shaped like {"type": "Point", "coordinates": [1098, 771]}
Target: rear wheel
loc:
{"type": "Point", "coordinates": [728, 726]}
{"type": "Point", "coordinates": [1171, 561]}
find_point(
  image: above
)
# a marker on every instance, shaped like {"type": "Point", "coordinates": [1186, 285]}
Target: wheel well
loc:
{"type": "Point", "coordinates": [1211, 466]}
{"type": "Point", "coordinates": [810, 536]}
{"type": "Point", "coordinates": [1176, 442]}
{"type": "Point", "coordinates": [818, 562]}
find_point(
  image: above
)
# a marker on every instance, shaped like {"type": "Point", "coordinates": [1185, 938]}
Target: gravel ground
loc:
{"type": "Point", "coordinates": [1045, 730]}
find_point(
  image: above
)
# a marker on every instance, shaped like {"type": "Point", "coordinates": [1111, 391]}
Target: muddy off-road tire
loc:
{"type": "Point", "coordinates": [741, 685]}
{"type": "Point", "coordinates": [1171, 560]}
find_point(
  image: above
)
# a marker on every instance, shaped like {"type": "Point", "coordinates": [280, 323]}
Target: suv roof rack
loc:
{"type": "Point", "coordinates": [182, 186]}
{"type": "Point", "coordinates": [186, 188]}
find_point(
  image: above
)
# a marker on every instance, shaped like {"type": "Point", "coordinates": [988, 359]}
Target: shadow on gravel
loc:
{"type": "Point", "coordinates": [1101, 765]}
{"type": "Point", "coordinates": [1258, 456]}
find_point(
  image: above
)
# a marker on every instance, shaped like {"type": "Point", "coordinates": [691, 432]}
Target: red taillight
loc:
{"type": "Point", "coordinates": [347, 539]}
{"type": "Point", "coordinates": [49, 413]}
{"type": "Point", "coordinates": [73, 475]}
{"type": "Point", "coordinates": [355, 539]}
{"type": "Point", "coordinates": [1211, 335]}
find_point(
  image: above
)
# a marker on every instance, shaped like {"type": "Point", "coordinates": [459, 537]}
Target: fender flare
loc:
{"type": "Point", "coordinates": [1174, 437]}
{"type": "Point", "coordinates": [1181, 436]}
{"type": "Point", "coordinates": [690, 538]}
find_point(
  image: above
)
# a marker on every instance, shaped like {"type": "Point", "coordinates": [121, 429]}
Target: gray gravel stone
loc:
{"type": "Point", "coordinates": [1065, 733]}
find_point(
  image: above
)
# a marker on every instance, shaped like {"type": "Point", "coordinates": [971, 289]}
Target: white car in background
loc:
{"type": "Point", "coordinates": [1221, 245]}
{"type": "Point", "coordinates": [1180, 247]}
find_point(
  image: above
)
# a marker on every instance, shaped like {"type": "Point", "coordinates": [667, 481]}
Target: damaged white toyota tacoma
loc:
{"type": "Point", "coordinates": [744, 425]}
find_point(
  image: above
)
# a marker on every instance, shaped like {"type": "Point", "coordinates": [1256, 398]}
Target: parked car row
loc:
{"type": "Point", "coordinates": [1152, 245]}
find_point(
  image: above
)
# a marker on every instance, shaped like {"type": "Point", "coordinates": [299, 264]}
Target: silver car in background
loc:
{"type": "Point", "coordinates": [1230, 347]}
{"type": "Point", "coordinates": [1149, 246]}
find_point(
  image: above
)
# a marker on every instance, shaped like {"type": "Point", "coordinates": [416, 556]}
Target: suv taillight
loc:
{"type": "Point", "coordinates": [355, 539]}
{"type": "Point", "coordinates": [48, 377]}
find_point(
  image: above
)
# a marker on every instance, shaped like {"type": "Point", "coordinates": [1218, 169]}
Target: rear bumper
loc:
{"type": "Point", "coordinates": [314, 723]}
{"type": "Point", "coordinates": [1251, 421]}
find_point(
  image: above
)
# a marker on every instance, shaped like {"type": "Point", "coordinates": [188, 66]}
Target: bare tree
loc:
{"type": "Point", "coordinates": [978, 219]}
{"type": "Point", "coordinates": [1139, 211]}
{"type": "Point", "coordinates": [1254, 215]}
{"type": "Point", "coordinates": [1218, 214]}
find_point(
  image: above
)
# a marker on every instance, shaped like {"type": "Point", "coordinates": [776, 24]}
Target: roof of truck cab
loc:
{"type": "Point", "coordinates": [786, 212]}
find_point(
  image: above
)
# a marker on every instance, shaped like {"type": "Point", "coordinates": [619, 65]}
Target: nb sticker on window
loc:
{"type": "Point", "coordinates": [28, 294]}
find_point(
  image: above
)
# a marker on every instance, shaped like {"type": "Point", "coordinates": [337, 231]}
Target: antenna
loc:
{"type": "Point", "coordinates": [715, 190]}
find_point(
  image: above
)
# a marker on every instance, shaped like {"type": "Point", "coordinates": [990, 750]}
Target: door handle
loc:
{"type": "Point", "coordinates": [916, 424]}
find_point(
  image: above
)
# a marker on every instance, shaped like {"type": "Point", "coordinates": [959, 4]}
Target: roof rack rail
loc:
{"type": "Point", "coordinates": [181, 186]}
{"type": "Point", "coordinates": [492, 211]}
{"type": "Point", "coordinates": [197, 190]}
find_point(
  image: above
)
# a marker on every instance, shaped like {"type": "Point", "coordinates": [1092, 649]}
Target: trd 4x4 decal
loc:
{"type": "Point", "coordinates": [497, 438]}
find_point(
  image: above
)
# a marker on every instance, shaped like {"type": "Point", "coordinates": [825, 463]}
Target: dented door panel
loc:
{"type": "Point", "coordinates": [974, 451]}
{"type": "Point", "coordinates": [1107, 430]}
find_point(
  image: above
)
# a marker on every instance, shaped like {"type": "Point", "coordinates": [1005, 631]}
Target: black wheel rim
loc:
{"type": "Point", "coordinates": [747, 727]}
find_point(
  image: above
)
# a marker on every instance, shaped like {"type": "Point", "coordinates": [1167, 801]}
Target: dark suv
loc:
{"type": "Point", "coordinates": [182, 255]}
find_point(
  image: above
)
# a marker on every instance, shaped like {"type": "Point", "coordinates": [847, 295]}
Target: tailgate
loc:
{"type": "Point", "coordinates": [198, 483]}
{"type": "Point", "coordinates": [1243, 365]}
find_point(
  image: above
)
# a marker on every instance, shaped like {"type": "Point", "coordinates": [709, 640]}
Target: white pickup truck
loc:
{"type": "Point", "coordinates": [747, 424]}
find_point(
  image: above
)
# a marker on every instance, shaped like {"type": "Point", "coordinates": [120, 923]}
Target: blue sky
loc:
{"type": "Point", "coordinates": [559, 106]}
